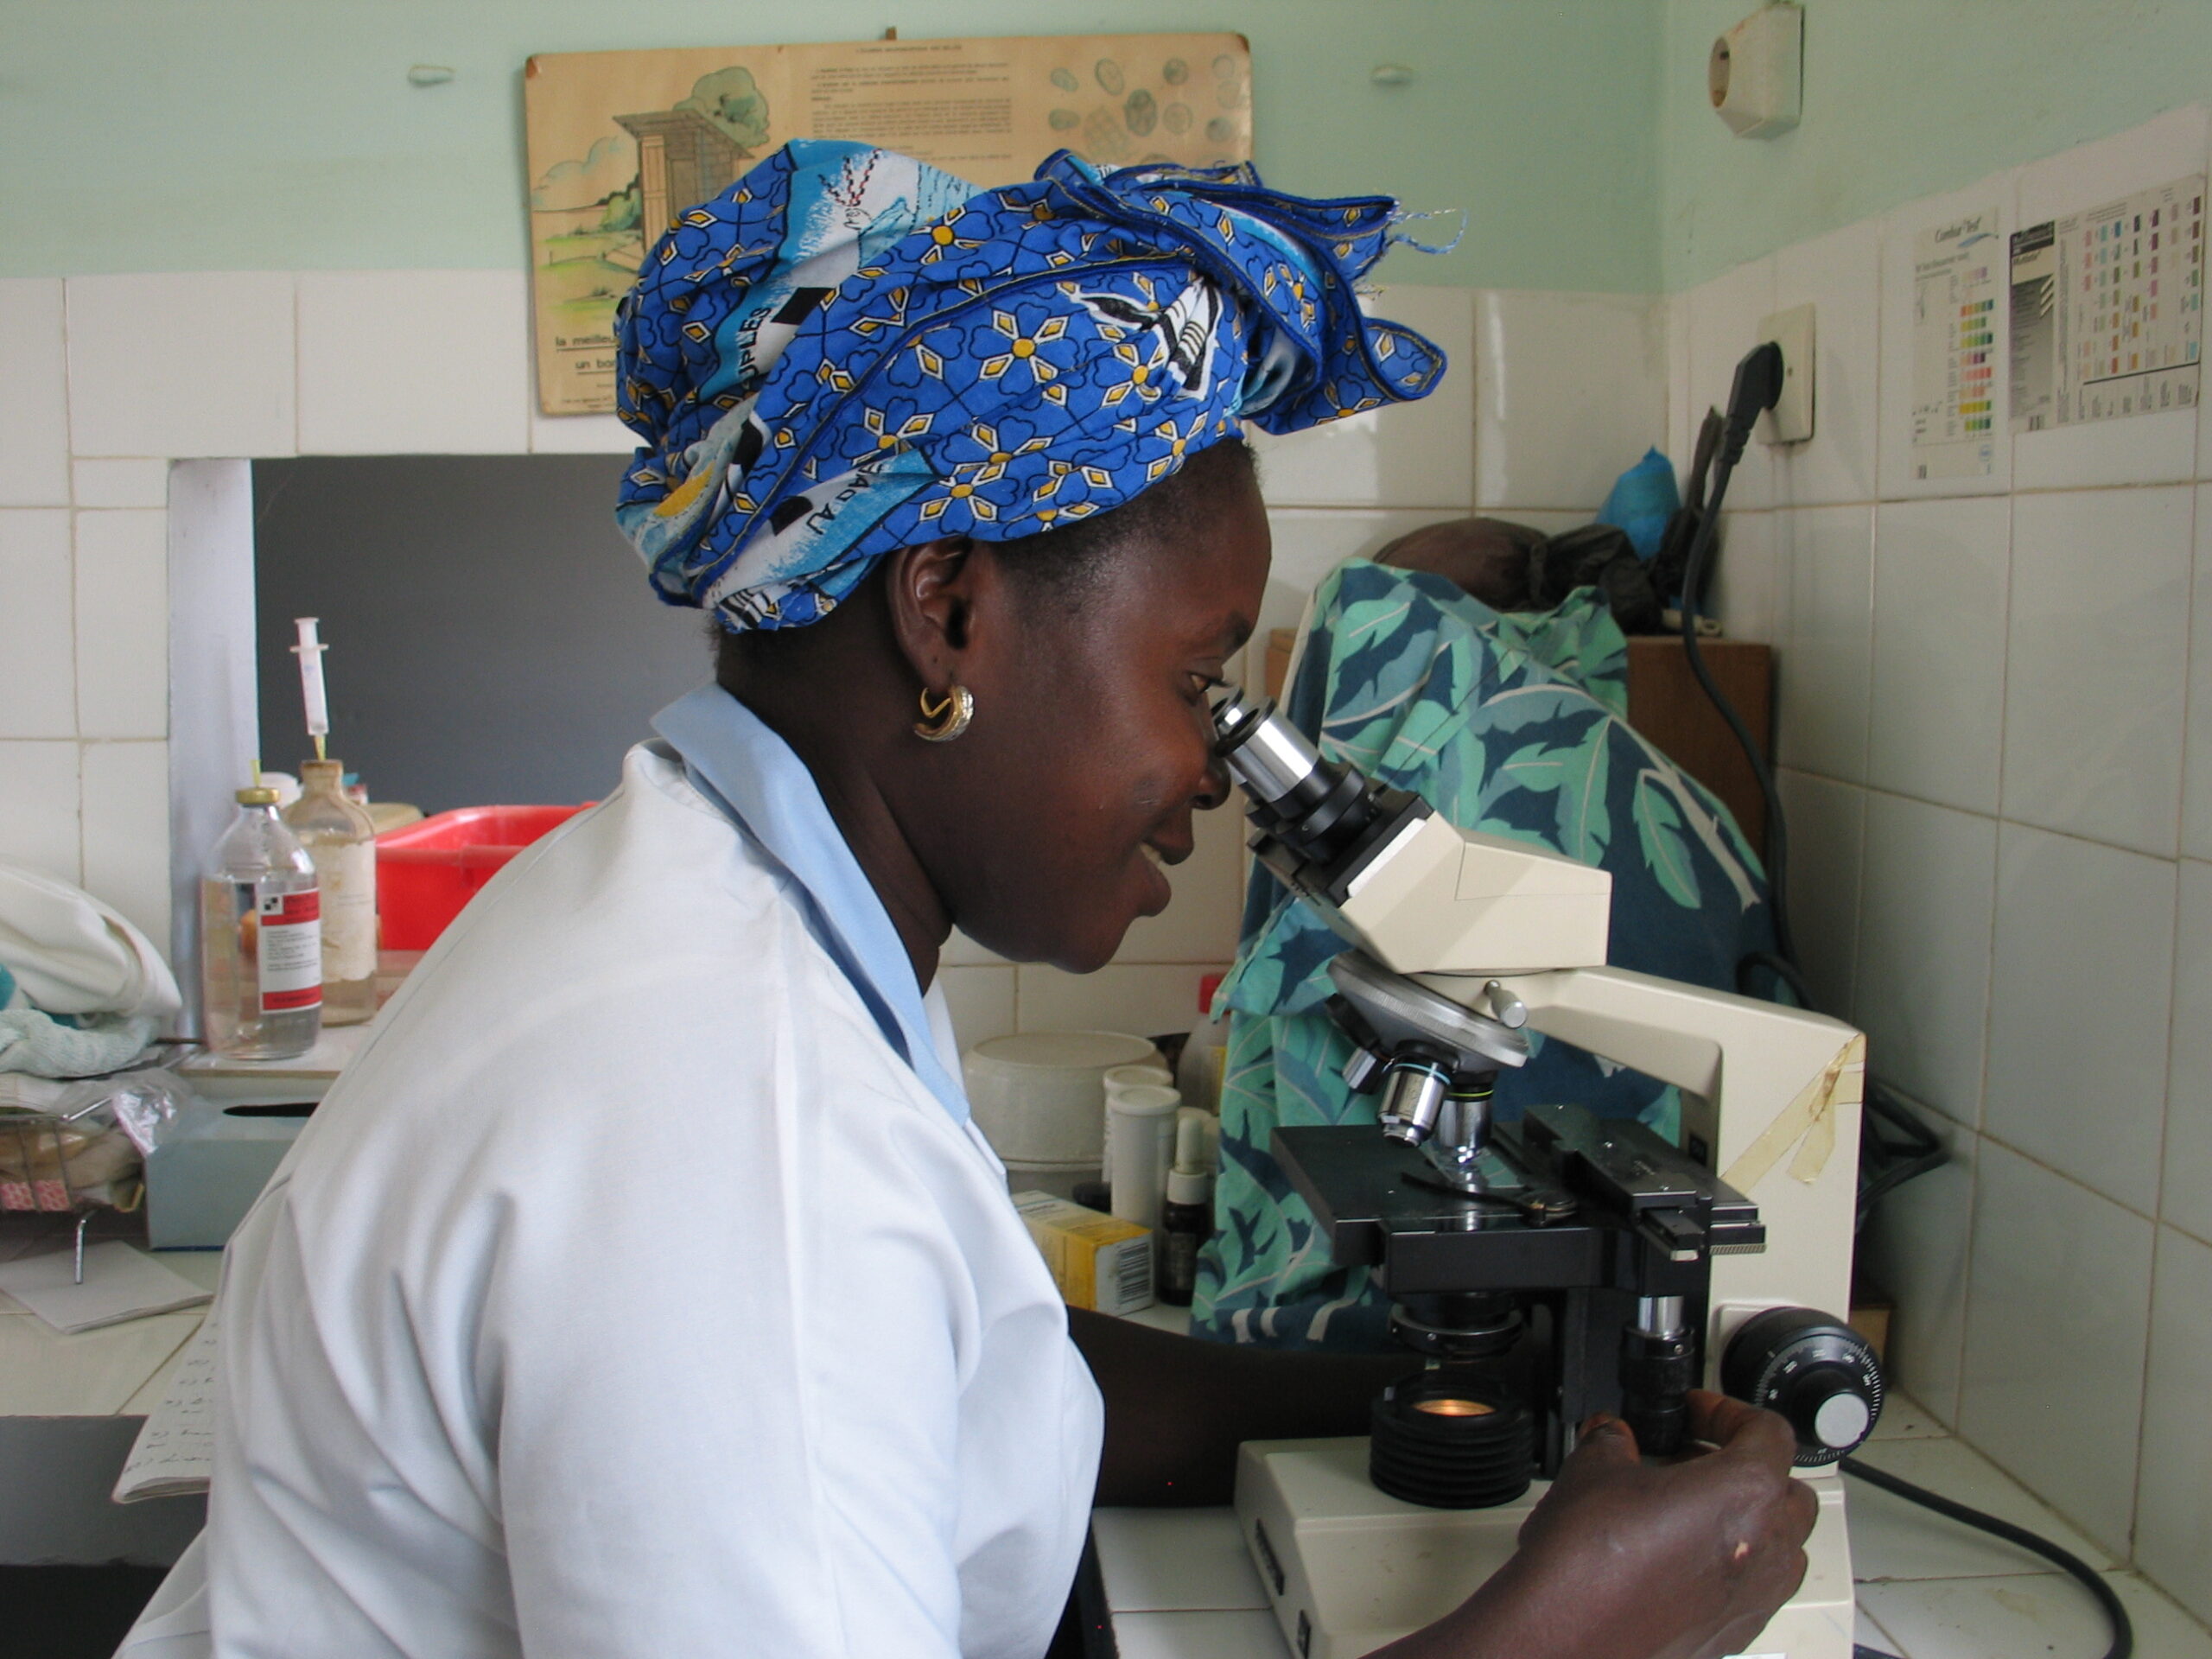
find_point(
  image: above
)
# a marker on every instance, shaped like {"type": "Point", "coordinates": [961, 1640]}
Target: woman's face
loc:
{"type": "Point", "coordinates": [1093, 743]}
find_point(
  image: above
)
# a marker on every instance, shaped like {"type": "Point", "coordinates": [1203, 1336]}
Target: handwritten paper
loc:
{"type": "Point", "coordinates": [174, 1452]}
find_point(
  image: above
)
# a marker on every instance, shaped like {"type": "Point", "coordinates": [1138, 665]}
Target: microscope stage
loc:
{"type": "Point", "coordinates": [1349, 1570]}
{"type": "Point", "coordinates": [1379, 1204]}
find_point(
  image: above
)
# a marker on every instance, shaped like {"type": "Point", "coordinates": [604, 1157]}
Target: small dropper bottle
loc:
{"type": "Point", "coordinates": [1186, 1218]}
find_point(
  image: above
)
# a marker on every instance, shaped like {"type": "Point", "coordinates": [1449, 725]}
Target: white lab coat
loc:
{"type": "Point", "coordinates": [629, 1295]}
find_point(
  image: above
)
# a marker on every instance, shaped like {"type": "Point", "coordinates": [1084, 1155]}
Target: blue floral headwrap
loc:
{"type": "Point", "coordinates": [849, 352]}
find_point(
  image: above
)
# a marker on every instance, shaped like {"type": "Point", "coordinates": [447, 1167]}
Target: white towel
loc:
{"type": "Point", "coordinates": [93, 1046]}
{"type": "Point", "coordinates": [68, 953]}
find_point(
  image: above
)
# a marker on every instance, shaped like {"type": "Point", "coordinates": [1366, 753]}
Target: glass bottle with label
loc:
{"type": "Point", "coordinates": [341, 839]}
{"type": "Point", "coordinates": [261, 937]}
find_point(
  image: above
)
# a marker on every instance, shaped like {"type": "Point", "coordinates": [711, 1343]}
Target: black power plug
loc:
{"type": "Point", "coordinates": [1758, 384]}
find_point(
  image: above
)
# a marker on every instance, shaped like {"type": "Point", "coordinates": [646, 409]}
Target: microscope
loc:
{"type": "Point", "coordinates": [1556, 1266]}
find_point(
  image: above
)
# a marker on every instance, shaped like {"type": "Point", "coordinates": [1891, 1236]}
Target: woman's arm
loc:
{"type": "Point", "coordinates": [1626, 1559]}
{"type": "Point", "coordinates": [1622, 1560]}
{"type": "Point", "coordinates": [1177, 1409]}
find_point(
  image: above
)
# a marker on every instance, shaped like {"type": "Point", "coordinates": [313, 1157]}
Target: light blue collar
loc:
{"type": "Point", "coordinates": [737, 762]}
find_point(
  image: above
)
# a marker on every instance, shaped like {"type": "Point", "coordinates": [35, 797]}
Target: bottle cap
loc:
{"type": "Point", "coordinates": [1191, 1140]}
{"type": "Point", "coordinates": [1189, 1186]}
{"type": "Point", "coordinates": [318, 770]}
{"type": "Point", "coordinates": [1143, 1102]}
{"type": "Point", "coordinates": [260, 795]}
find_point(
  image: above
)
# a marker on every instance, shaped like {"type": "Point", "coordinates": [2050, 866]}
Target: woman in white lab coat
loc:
{"type": "Point", "coordinates": [642, 1289]}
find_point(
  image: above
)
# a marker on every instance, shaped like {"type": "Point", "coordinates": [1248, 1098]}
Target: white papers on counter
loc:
{"type": "Point", "coordinates": [120, 1283]}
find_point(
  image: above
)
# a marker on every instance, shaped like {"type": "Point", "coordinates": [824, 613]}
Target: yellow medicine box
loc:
{"type": "Point", "coordinates": [1099, 1261]}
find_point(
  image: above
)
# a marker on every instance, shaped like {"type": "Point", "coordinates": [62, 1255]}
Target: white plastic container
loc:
{"type": "Point", "coordinates": [1143, 1140]}
{"type": "Point", "coordinates": [1039, 1096]}
{"type": "Point", "coordinates": [1120, 1077]}
{"type": "Point", "coordinates": [1143, 1075]}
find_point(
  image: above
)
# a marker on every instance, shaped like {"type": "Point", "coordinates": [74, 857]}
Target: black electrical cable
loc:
{"type": "Point", "coordinates": [2123, 1628]}
{"type": "Point", "coordinates": [1918, 1152]}
{"type": "Point", "coordinates": [1759, 382]}
{"type": "Point", "coordinates": [1784, 971]}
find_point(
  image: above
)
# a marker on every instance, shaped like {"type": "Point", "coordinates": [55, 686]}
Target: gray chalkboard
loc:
{"type": "Point", "coordinates": [492, 638]}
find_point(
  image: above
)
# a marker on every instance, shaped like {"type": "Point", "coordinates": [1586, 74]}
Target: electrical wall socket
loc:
{"type": "Point", "coordinates": [1790, 420]}
{"type": "Point", "coordinates": [1755, 73]}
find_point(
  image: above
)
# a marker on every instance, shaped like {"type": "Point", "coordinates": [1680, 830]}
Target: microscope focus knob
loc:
{"type": "Point", "coordinates": [1815, 1371]}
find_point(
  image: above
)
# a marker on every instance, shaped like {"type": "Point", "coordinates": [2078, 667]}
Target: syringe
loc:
{"type": "Point", "coordinates": [309, 652]}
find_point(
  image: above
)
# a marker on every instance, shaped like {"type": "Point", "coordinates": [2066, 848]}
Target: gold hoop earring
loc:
{"type": "Point", "coordinates": [948, 719]}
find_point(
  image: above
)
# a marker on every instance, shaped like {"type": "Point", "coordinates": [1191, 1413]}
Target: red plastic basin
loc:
{"type": "Point", "coordinates": [428, 871]}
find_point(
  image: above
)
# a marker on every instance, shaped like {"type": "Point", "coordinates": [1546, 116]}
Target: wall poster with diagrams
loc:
{"type": "Point", "coordinates": [2107, 309]}
{"type": "Point", "coordinates": [622, 142]}
{"type": "Point", "coordinates": [1957, 295]}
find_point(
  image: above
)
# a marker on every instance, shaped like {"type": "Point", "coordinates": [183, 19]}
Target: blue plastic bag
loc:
{"type": "Point", "coordinates": [1642, 499]}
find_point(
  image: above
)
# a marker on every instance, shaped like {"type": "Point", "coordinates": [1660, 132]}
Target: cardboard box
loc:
{"type": "Point", "coordinates": [1099, 1261]}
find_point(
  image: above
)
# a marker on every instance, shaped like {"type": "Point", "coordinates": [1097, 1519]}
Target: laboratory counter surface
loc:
{"type": "Point", "coordinates": [1178, 1583]}
{"type": "Point", "coordinates": [114, 1370]}
{"type": "Point", "coordinates": [71, 1406]}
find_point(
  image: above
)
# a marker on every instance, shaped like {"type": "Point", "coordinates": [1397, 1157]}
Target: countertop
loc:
{"type": "Point", "coordinates": [117, 1370]}
{"type": "Point", "coordinates": [1178, 1584]}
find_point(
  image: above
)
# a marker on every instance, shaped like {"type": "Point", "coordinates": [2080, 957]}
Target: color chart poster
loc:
{"type": "Point", "coordinates": [1957, 293]}
{"type": "Point", "coordinates": [2108, 309]}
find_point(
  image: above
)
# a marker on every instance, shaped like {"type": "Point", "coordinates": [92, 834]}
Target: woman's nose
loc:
{"type": "Point", "coordinates": [1215, 789]}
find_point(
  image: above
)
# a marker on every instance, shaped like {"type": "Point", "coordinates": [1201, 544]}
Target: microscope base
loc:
{"type": "Point", "coordinates": [1349, 1570]}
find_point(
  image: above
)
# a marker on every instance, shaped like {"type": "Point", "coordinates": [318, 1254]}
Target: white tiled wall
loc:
{"type": "Point", "coordinates": [1549, 432]}
{"type": "Point", "coordinates": [414, 362]}
{"type": "Point", "coordinates": [185, 364]}
{"type": "Point", "coordinates": [1995, 718]}
{"type": "Point", "coordinates": [110, 379]}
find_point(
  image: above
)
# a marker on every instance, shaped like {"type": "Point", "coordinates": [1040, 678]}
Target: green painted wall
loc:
{"type": "Point", "coordinates": [167, 135]}
{"type": "Point", "coordinates": [1904, 98]}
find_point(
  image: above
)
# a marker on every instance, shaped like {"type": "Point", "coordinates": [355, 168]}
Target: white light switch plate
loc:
{"type": "Point", "coordinates": [1790, 420]}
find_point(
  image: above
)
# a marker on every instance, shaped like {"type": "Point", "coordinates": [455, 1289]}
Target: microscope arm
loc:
{"type": "Point", "coordinates": [1771, 1094]}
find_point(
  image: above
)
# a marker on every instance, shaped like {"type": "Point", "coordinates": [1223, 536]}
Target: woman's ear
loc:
{"type": "Point", "coordinates": [930, 588]}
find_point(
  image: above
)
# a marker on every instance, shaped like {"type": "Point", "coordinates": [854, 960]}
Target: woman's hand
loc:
{"type": "Point", "coordinates": [1627, 1560]}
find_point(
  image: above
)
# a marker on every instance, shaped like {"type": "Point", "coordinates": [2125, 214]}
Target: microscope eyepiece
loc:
{"type": "Point", "coordinates": [1318, 810]}
{"type": "Point", "coordinates": [1268, 756]}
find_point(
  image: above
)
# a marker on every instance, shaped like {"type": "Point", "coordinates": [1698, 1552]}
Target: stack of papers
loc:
{"type": "Point", "coordinates": [120, 1283]}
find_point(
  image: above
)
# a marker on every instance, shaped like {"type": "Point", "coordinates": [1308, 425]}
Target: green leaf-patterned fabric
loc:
{"type": "Point", "coordinates": [1510, 724]}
